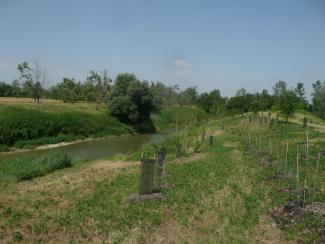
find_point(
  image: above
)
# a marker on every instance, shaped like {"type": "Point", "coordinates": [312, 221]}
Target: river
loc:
{"type": "Point", "coordinates": [98, 148]}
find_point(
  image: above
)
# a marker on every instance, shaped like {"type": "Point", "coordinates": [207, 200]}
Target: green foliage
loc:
{"type": "Point", "coordinates": [319, 98]}
{"type": "Point", "coordinates": [212, 102]}
{"type": "Point", "coordinates": [25, 168]}
{"type": "Point", "coordinates": [288, 103]}
{"type": "Point", "coordinates": [180, 115]}
{"type": "Point", "coordinates": [131, 101]}
{"type": "Point", "coordinates": [19, 124]}
{"type": "Point", "coordinates": [68, 90]}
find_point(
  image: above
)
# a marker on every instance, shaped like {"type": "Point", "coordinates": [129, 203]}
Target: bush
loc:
{"type": "Point", "coordinates": [27, 167]}
{"type": "Point", "coordinates": [4, 148]}
{"type": "Point", "coordinates": [21, 124]}
{"type": "Point", "coordinates": [185, 115]}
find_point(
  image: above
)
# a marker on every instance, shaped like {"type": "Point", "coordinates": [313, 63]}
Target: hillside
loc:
{"type": "Point", "coordinates": [238, 190]}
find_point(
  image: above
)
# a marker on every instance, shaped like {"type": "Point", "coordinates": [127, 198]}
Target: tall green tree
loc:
{"type": "Point", "coordinates": [132, 102]}
{"type": "Point", "coordinates": [288, 103]}
{"type": "Point", "coordinates": [300, 92]}
{"type": "Point", "coordinates": [318, 98]}
{"type": "Point", "coordinates": [33, 80]}
{"type": "Point", "coordinates": [68, 90]}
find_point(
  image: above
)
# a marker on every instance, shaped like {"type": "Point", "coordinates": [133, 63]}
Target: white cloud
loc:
{"type": "Point", "coordinates": [181, 68]}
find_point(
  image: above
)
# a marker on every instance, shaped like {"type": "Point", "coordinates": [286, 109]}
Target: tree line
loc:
{"type": "Point", "coordinates": [132, 100]}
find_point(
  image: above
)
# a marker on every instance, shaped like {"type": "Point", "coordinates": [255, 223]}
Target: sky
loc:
{"type": "Point", "coordinates": [210, 44]}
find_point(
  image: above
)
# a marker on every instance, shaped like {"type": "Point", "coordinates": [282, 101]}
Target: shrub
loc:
{"type": "Point", "coordinates": [21, 124]}
{"type": "Point", "coordinates": [4, 148]}
{"type": "Point", "coordinates": [27, 167]}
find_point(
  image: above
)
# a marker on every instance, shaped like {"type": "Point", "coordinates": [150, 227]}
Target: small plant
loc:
{"type": "Point", "coordinates": [305, 122]}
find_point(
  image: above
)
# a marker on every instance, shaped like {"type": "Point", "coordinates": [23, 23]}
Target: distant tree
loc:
{"type": "Point", "coordinates": [279, 88]}
{"type": "Point", "coordinates": [16, 90]}
{"type": "Point", "coordinates": [288, 102]}
{"type": "Point", "coordinates": [300, 92]}
{"type": "Point", "coordinates": [188, 96]}
{"type": "Point", "coordinates": [68, 90]}
{"type": "Point", "coordinates": [255, 106]}
{"type": "Point", "coordinates": [33, 80]}
{"type": "Point", "coordinates": [5, 90]}
{"type": "Point", "coordinates": [318, 98]}
{"type": "Point", "coordinates": [241, 92]}
{"type": "Point", "coordinates": [163, 95]}
{"type": "Point", "coordinates": [96, 88]}
{"type": "Point", "coordinates": [132, 102]}
{"type": "Point", "coordinates": [265, 100]}
{"type": "Point", "coordinates": [212, 102]}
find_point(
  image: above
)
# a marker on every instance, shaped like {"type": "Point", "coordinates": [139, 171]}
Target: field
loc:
{"type": "Point", "coordinates": [26, 124]}
{"type": "Point", "coordinates": [240, 190]}
{"type": "Point", "coordinates": [51, 105]}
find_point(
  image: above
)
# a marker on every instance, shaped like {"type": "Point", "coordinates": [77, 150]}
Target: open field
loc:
{"type": "Point", "coordinates": [51, 105]}
{"type": "Point", "coordinates": [228, 193]}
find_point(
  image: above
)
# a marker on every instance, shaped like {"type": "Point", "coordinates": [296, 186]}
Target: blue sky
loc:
{"type": "Point", "coordinates": [210, 44]}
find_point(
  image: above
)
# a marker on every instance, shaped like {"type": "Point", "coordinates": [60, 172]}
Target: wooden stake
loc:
{"type": "Point", "coordinates": [305, 186]}
{"type": "Point", "coordinates": [316, 172]}
{"type": "Point", "coordinates": [286, 159]}
{"type": "Point", "coordinates": [249, 140]}
{"type": "Point", "coordinates": [297, 175]}
{"type": "Point", "coordinates": [307, 142]}
{"type": "Point", "coordinates": [260, 143]}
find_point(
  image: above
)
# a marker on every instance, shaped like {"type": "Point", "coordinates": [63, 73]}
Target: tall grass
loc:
{"type": "Point", "coordinates": [21, 124]}
{"type": "Point", "coordinates": [25, 168]}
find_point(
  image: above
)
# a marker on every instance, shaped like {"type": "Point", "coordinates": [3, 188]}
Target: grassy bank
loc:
{"type": "Point", "coordinates": [22, 127]}
{"type": "Point", "coordinates": [224, 193]}
{"type": "Point", "coordinates": [25, 168]}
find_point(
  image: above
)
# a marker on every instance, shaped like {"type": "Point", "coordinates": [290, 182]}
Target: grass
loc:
{"type": "Point", "coordinates": [51, 105]}
{"type": "Point", "coordinates": [22, 126]}
{"type": "Point", "coordinates": [224, 196]}
{"type": "Point", "coordinates": [25, 168]}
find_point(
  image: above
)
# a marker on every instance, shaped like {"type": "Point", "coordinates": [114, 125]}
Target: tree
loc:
{"type": "Point", "coordinates": [132, 102]}
{"type": "Point", "coordinates": [96, 87]}
{"type": "Point", "coordinates": [288, 102]}
{"type": "Point", "coordinates": [265, 100]}
{"type": "Point", "coordinates": [33, 80]}
{"type": "Point", "coordinates": [241, 92]}
{"type": "Point", "coordinates": [300, 92]}
{"type": "Point", "coordinates": [163, 95]}
{"type": "Point", "coordinates": [255, 106]}
{"type": "Point", "coordinates": [188, 96]}
{"type": "Point", "coordinates": [279, 88]}
{"type": "Point", "coordinates": [212, 102]}
{"type": "Point", "coordinates": [16, 90]}
{"type": "Point", "coordinates": [5, 90]}
{"type": "Point", "coordinates": [68, 90]}
{"type": "Point", "coordinates": [318, 98]}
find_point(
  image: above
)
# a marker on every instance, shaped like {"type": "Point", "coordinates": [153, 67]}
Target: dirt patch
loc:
{"type": "Point", "coordinates": [232, 144]}
{"type": "Point", "coordinates": [316, 208]}
{"type": "Point", "coordinates": [289, 214]}
{"type": "Point", "coordinates": [194, 157]}
{"type": "Point", "coordinates": [139, 198]}
{"type": "Point", "coordinates": [267, 231]}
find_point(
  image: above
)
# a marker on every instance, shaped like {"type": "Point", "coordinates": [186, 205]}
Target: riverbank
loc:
{"type": "Point", "coordinates": [60, 144]}
{"type": "Point", "coordinates": [224, 193]}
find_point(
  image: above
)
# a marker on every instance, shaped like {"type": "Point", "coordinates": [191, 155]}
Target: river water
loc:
{"type": "Point", "coordinates": [99, 148]}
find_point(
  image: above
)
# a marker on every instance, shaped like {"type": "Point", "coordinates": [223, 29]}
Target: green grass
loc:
{"type": "Point", "coordinates": [20, 124]}
{"type": "Point", "coordinates": [222, 196]}
{"type": "Point", "coordinates": [25, 168]}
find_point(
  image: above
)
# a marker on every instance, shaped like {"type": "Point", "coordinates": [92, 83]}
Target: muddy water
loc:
{"type": "Point", "coordinates": [99, 148]}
